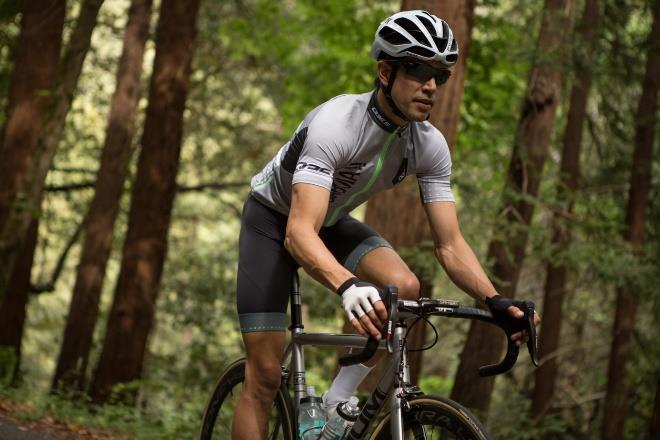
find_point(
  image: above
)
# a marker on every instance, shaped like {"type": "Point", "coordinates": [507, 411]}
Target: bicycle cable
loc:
{"type": "Point", "coordinates": [436, 336]}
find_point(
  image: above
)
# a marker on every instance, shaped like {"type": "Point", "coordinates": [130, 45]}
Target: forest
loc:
{"type": "Point", "coordinates": [130, 130]}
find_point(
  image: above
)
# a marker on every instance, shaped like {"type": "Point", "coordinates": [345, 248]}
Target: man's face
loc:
{"type": "Point", "coordinates": [415, 87]}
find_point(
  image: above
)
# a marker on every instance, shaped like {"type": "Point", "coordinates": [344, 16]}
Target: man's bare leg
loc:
{"type": "Point", "coordinates": [263, 374]}
{"type": "Point", "coordinates": [384, 266]}
{"type": "Point", "coordinates": [381, 266]}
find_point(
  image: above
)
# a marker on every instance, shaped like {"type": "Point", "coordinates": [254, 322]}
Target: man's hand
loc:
{"type": "Point", "coordinates": [363, 307]}
{"type": "Point", "coordinates": [499, 304]}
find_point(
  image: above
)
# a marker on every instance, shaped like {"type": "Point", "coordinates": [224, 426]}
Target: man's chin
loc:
{"type": "Point", "coordinates": [420, 117]}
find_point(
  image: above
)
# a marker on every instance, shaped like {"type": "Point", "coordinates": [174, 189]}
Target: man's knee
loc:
{"type": "Point", "coordinates": [263, 372]}
{"type": "Point", "coordinates": [263, 377]}
{"type": "Point", "coordinates": [408, 285]}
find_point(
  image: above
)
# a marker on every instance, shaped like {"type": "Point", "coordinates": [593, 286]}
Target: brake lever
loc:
{"type": "Point", "coordinates": [532, 342]}
{"type": "Point", "coordinates": [392, 315]}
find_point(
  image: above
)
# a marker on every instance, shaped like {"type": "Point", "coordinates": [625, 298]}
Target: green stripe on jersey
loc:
{"type": "Point", "coordinates": [377, 170]}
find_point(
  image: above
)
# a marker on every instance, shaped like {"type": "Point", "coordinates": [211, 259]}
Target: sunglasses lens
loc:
{"type": "Point", "coordinates": [442, 76]}
{"type": "Point", "coordinates": [423, 72]}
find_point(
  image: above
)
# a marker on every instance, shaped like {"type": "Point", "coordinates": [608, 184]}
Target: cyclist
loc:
{"type": "Point", "coordinates": [345, 150]}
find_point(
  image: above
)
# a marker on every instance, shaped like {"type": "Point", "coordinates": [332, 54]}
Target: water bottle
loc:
{"type": "Point", "coordinates": [311, 416]}
{"type": "Point", "coordinates": [341, 419]}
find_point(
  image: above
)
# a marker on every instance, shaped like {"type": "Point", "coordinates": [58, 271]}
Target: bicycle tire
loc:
{"type": "Point", "coordinates": [430, 417]}
{"type": "Point", "coordinates": [216, 424]}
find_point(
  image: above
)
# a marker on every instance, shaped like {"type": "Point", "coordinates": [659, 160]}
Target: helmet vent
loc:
{"type": "Point", "coordinates": [417, 50]}
{"type": "Point", "coordinates": [393, 37]}
{"type": "Point", "coordinates": [454, 47]}
{"type": "Point", "coordinates": [413, 30]}
{"type": "Point", "coordinates": [441, 43]}
{"type": "Point", "coordinates": [427, 24]}
{"type": "Point", "coordinates": [451, 58]}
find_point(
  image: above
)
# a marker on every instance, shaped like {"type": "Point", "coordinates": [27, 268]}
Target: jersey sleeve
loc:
{"type": "Point", "coordinates": [323, 151]}
{"type": "Point", "coordinates": [435, 173]}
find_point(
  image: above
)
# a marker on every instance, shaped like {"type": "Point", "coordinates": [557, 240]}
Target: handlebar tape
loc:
{"type": "Point", "coordinates": [511, 325]}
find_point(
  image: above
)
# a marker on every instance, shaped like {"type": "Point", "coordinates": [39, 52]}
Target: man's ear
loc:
{"type": "Point", "coordinates": [384, 69]}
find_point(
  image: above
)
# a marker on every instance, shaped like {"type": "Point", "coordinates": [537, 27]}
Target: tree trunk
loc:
{"type": "Point", "coordinates": [409, 227]}
{"type": "Point", "coordinates": [638, 198]}
{"type": "Point", "coordinates": [13, 307]}
{"type": "Point", "coordinates": [20, 217]}
{"type": "Point", "coordinates": [133, 309]}
{"type": "Point", "coordinates": [485, 343]}
{"type": "Point", "coordinates": [59, 104]}
{"type": "Point", "coordinates": [99, 223]}
{"type": "Point", "coordinates": [29, 95]}
{"type": "Point", "coordinates": [654, 424]}
{"type": "Point", "coordinates": [569, 173]}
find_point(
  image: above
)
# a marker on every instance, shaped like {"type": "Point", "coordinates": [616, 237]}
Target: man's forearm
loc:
{"type": "Point", "coordinates": [311, 253]}
{"type": "Point", "coordinates": [464, 269]}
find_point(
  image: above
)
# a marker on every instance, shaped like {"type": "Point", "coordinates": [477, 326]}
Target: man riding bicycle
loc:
{"type": "Point", "coordinates": [297, 214]}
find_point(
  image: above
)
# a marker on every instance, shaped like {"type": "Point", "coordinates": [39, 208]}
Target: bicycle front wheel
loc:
{"type": "Point", "coordinates": [219, 413]}
{"type": "Point", "coordinates": [434, 418]}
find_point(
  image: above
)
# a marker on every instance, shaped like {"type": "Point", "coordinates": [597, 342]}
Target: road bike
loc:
{"type": "Point", "coordinates": [411, 413]}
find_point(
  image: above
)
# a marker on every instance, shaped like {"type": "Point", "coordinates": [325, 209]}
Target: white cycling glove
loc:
{"type": "Point", "coordinates": [357, 297]}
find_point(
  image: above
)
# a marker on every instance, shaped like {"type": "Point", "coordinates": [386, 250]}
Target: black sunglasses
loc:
{"type": "Point", "coordinates": [423, 72]}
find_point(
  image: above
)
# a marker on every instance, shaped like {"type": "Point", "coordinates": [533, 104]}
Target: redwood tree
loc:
{"type": "Point", "coordinates": [409, 227]}
{"type": "Point", "coordinates": [22, 225]}
{"type": "Point", "coordinates": [12, 306]}
{"type": "Point", "coordinates": [569, 173]}
{"type": "Point", "coordinates": [485, 343]}
{"type": "Point", "coordinates": [638, 198]}
{"type": "Point", "coordinates": [30, 87]}
{"type": "Point", "coordinates": [102, 213]}
{"type": "Point", "coordinates": [132, 314]}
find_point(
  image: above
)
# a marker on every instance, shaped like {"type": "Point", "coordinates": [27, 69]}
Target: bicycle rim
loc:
{"type": "Point", "coordinates": [435, 418]}
{"type": "Point", "coordinates": [219, 413]}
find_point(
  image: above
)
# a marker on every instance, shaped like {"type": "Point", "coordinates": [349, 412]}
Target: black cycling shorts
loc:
{"type": "Point", "coordinates": [265, 267]}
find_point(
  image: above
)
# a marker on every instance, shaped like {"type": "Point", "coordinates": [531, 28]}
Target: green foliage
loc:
{"type": "Point", "coordinates": [75, 410]}
{"type": "Point", "coordinates": [321, 49]}
{"type": "Point", "coordinates": [509, 419]}
{"type": "Point", "coordinates": [436, 385]}
{"type": "Point", "coordinates": [8, 360]}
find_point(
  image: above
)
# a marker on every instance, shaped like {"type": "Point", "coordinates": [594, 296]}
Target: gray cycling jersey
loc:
{"type": "Point", "coordinates": [347, 146]}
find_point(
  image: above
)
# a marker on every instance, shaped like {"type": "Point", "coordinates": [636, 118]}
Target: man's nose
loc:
{"type": "Point", "coordinates": [430, 85]}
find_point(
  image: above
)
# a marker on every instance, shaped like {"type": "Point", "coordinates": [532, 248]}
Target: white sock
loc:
{"type": "Point", "coordinates": [345, 384]}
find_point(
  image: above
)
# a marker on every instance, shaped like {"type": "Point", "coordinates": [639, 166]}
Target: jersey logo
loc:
{"type": "Point", "coordinates": [344, 179]}
{"type": "Point", "coordinates": [403, 171]}
{"type": "Point", "coordinates": [312, 167]}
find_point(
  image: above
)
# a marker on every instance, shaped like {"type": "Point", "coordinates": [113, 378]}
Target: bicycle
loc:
{"type": "Point", "coordinates": [412, 413]}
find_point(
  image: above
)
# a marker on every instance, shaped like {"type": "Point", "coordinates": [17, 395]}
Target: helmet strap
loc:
{"type": "Point", "coordinates": [387, 91]}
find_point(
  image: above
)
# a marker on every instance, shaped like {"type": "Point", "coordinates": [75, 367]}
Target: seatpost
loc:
{"type": "Point", "coordinates": [296, 306]}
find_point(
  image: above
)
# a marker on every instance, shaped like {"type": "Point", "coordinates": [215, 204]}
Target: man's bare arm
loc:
{"type": "Point", "coordinates": [454, 253]}
{"type": "Point", "coordinates": [309, 204]}
{"type": "Point", "coordinates": [459, 261]}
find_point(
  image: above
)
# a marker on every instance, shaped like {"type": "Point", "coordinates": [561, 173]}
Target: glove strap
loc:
{"type": "Point", "coordinates": [346, 284]}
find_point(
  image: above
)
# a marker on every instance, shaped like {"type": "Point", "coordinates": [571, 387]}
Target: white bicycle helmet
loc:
{"type": "Point", "coordinates": [415, 34]}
